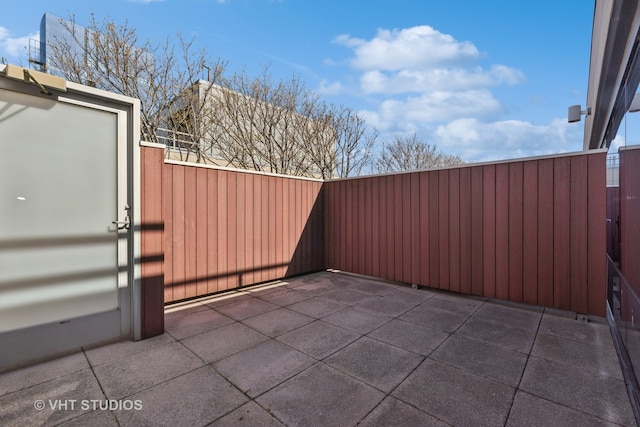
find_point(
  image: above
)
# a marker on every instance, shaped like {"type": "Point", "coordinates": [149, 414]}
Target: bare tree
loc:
{"type": "Point", "coordinates": [111, 57]}
{"type": "Point", "coordinates": [411, 153]}
{"type": "Point", "coordinates": [354, 143]}
{"type": "Point", "coordinates": [241, 121]}
{"type": "Point", "coordinates": [283, 127]}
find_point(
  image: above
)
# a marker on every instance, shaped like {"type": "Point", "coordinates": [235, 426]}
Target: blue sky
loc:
{"type": "Point", "coordinates": [485, 80]}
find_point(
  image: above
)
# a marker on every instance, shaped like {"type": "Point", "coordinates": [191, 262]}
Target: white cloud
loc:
{"type": "Point", "coordinates": [14, 47]}
{"type": "Point", "coordinates": [478, 141]}
{"type": "Point", "coordinates": [327, 88]}
{"type": "Point", "coordinates": [409, 48]}
{"type": "Point", "coordinates": [413, 112]}
{"type": "Point", "coordinates": [421, 80]}
{"type": "Point", "coordinates": [435, 79]}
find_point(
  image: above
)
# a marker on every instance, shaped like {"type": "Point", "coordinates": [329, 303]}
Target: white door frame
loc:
{"type": "Point", "coordinates": [27, 345]}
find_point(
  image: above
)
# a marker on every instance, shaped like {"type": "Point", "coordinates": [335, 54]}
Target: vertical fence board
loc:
{"type": "Point", "coordinates": [330, 226]}
{"type": "Point", "coordinates": [223, 231]}
{"type": "Point", "coordinates": [341, 243]}
{"type": "Point", "coordinates": [363, 216]}
{"type": "Point", "coordinates": [597, 200]}
{"type": "Point", "coordinates": [278, 227]}
{"type": "Point", "coordinates": [368, 227]}
{"type": "Point", "coordinates": [264, 228]}
{"type": "Point", "coordinates": [515, 231]}
{"type": "Point", "coordinates": [443, 229]}
{"type": "Point", "coordinates": [489, 231]}
{"type": "Point", "coordinates": [213, 231]}
{"type": "Point", "coordinates": [502, 231]}
{"type": "Point", "coordinates": [579, 234]}
{"type": "Point", "coordinates": [415, 227]}
{"type": "Point", "coordinates": [247, 219]}
{"type": "Point", "coordinates": [425, 222]}
{"type": "Point", "coordinates": [179, 291]}
{"type": "Point", "coordinates": [347, 220]}
{"type": "Point", "coordinates": [454, 230]}
{"type": "Point", "coordinates": [405, 223]}
{"type": "Point", "coordinates": [287, 238]}
{"type": "Point", "coordinates": [530, 233]}
{"type": "Point", "coordinates": [190, 261]}
{"type": "Point", "coordinates": [391, 222]}
{"type": "Point", "coordinates": [202, 233]}
{"type": "Point", "coordinates": [545, 232]}
{"type": "Point", "coordinates": [396, 203]}
{"type": "Point", "coordinates": [241, 226]}
{"type": "Point", "coordinates": [296, 199]}
{"type": "Point", "coordinates": [434, 230]}
{"type": "Point", "coordinates": [233, 223]}
{"type": "Point", "coordinates": [375, 227]}
{"type": "Point", "coordinates": [465, 230]}
{"type": "Point", "coordinates": [382, 209]}
{"type": "Point", "coordinates": [259, 214]}
{"type": "Point", "coordinates": [562, 233]}
{"type": "Point", "coordinates": [337, 232]}
{"type": "Point", "coordinates": [273, 224]}
{"type": "Point", "coordinates": [167, 210]}
{"type": "Point", "coordinates": [477, 190]}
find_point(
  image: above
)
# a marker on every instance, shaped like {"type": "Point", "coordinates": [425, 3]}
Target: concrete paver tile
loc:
{"type": "Point", "coordinates": [196, 398]}
{"type": "Point", "coordinates": [321, 396]}
{"type": "Point", "coordinates": [601, 396]}
{"type": "Point", "coordinates": [278, 322]}
{"type": "Point", "coordinates": [380, 365]}
{"type": "Point", "coordinates": [262, 367]}
{"type": "Point", "coordinates": [455, 396]}
{"type": "Point", "coordinates": [483, 359]}
{"type": "Point", "coordinates": [225, 341]}
{"type": "Point", "coordinates": [318, 339]}
{"type": "Point", "coordinates": [143, 370]}
{"type": "Point", "coordinates": [409, 336]}
{"type": "Point", "coordinates": [532, 411]}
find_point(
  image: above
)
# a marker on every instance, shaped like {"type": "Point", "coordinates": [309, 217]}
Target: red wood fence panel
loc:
{"type": "Point", "coordinates": [224, 229]}
{"type": "Point", "coordinates": [152, 261]}
{"type": "Point", "coordinates": [528, 230]}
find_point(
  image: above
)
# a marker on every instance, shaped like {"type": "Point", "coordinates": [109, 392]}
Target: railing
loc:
{"type": "Point", "coordinates": [175, 140]}
{"type": "Point", "coordinates": [613, 170]}
{"type": "Point", "coordinates": [623, 311]}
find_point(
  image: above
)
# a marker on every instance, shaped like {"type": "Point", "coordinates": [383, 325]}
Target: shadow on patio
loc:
{"type": "Point", "coordinates": [330, 349]}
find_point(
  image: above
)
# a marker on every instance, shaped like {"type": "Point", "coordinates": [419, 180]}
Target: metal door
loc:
{"type": "Point", "coordinates": [64, 226]}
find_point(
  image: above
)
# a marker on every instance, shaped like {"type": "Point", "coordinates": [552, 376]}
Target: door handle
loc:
{"type": "Point", "coordinates": [122, 225]}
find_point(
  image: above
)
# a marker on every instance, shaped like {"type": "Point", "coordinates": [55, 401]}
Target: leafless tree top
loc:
{"type": "Point", "coordinates": [406, 153]}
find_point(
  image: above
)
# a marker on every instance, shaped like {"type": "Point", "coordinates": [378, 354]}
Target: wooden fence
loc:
{"type": "Point", "coordinates": [223, 229]}
{"type": "Point", "coordinates": [529, 231]}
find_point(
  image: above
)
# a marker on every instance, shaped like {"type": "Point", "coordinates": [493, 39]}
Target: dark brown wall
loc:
{"type": "Point", "coordinates": [225, 229]}
{"type": "Point", "coordinates": [529, 231]}
{"type": "Point", "coordinates": [630, 215]}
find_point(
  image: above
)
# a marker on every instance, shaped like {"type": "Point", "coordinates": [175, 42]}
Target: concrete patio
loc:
{"type": "Point", "coordinates": [329, 349]}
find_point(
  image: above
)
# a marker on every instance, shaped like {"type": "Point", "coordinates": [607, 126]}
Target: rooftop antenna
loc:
{"type": "Point", "coordinates": [208, 71]}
